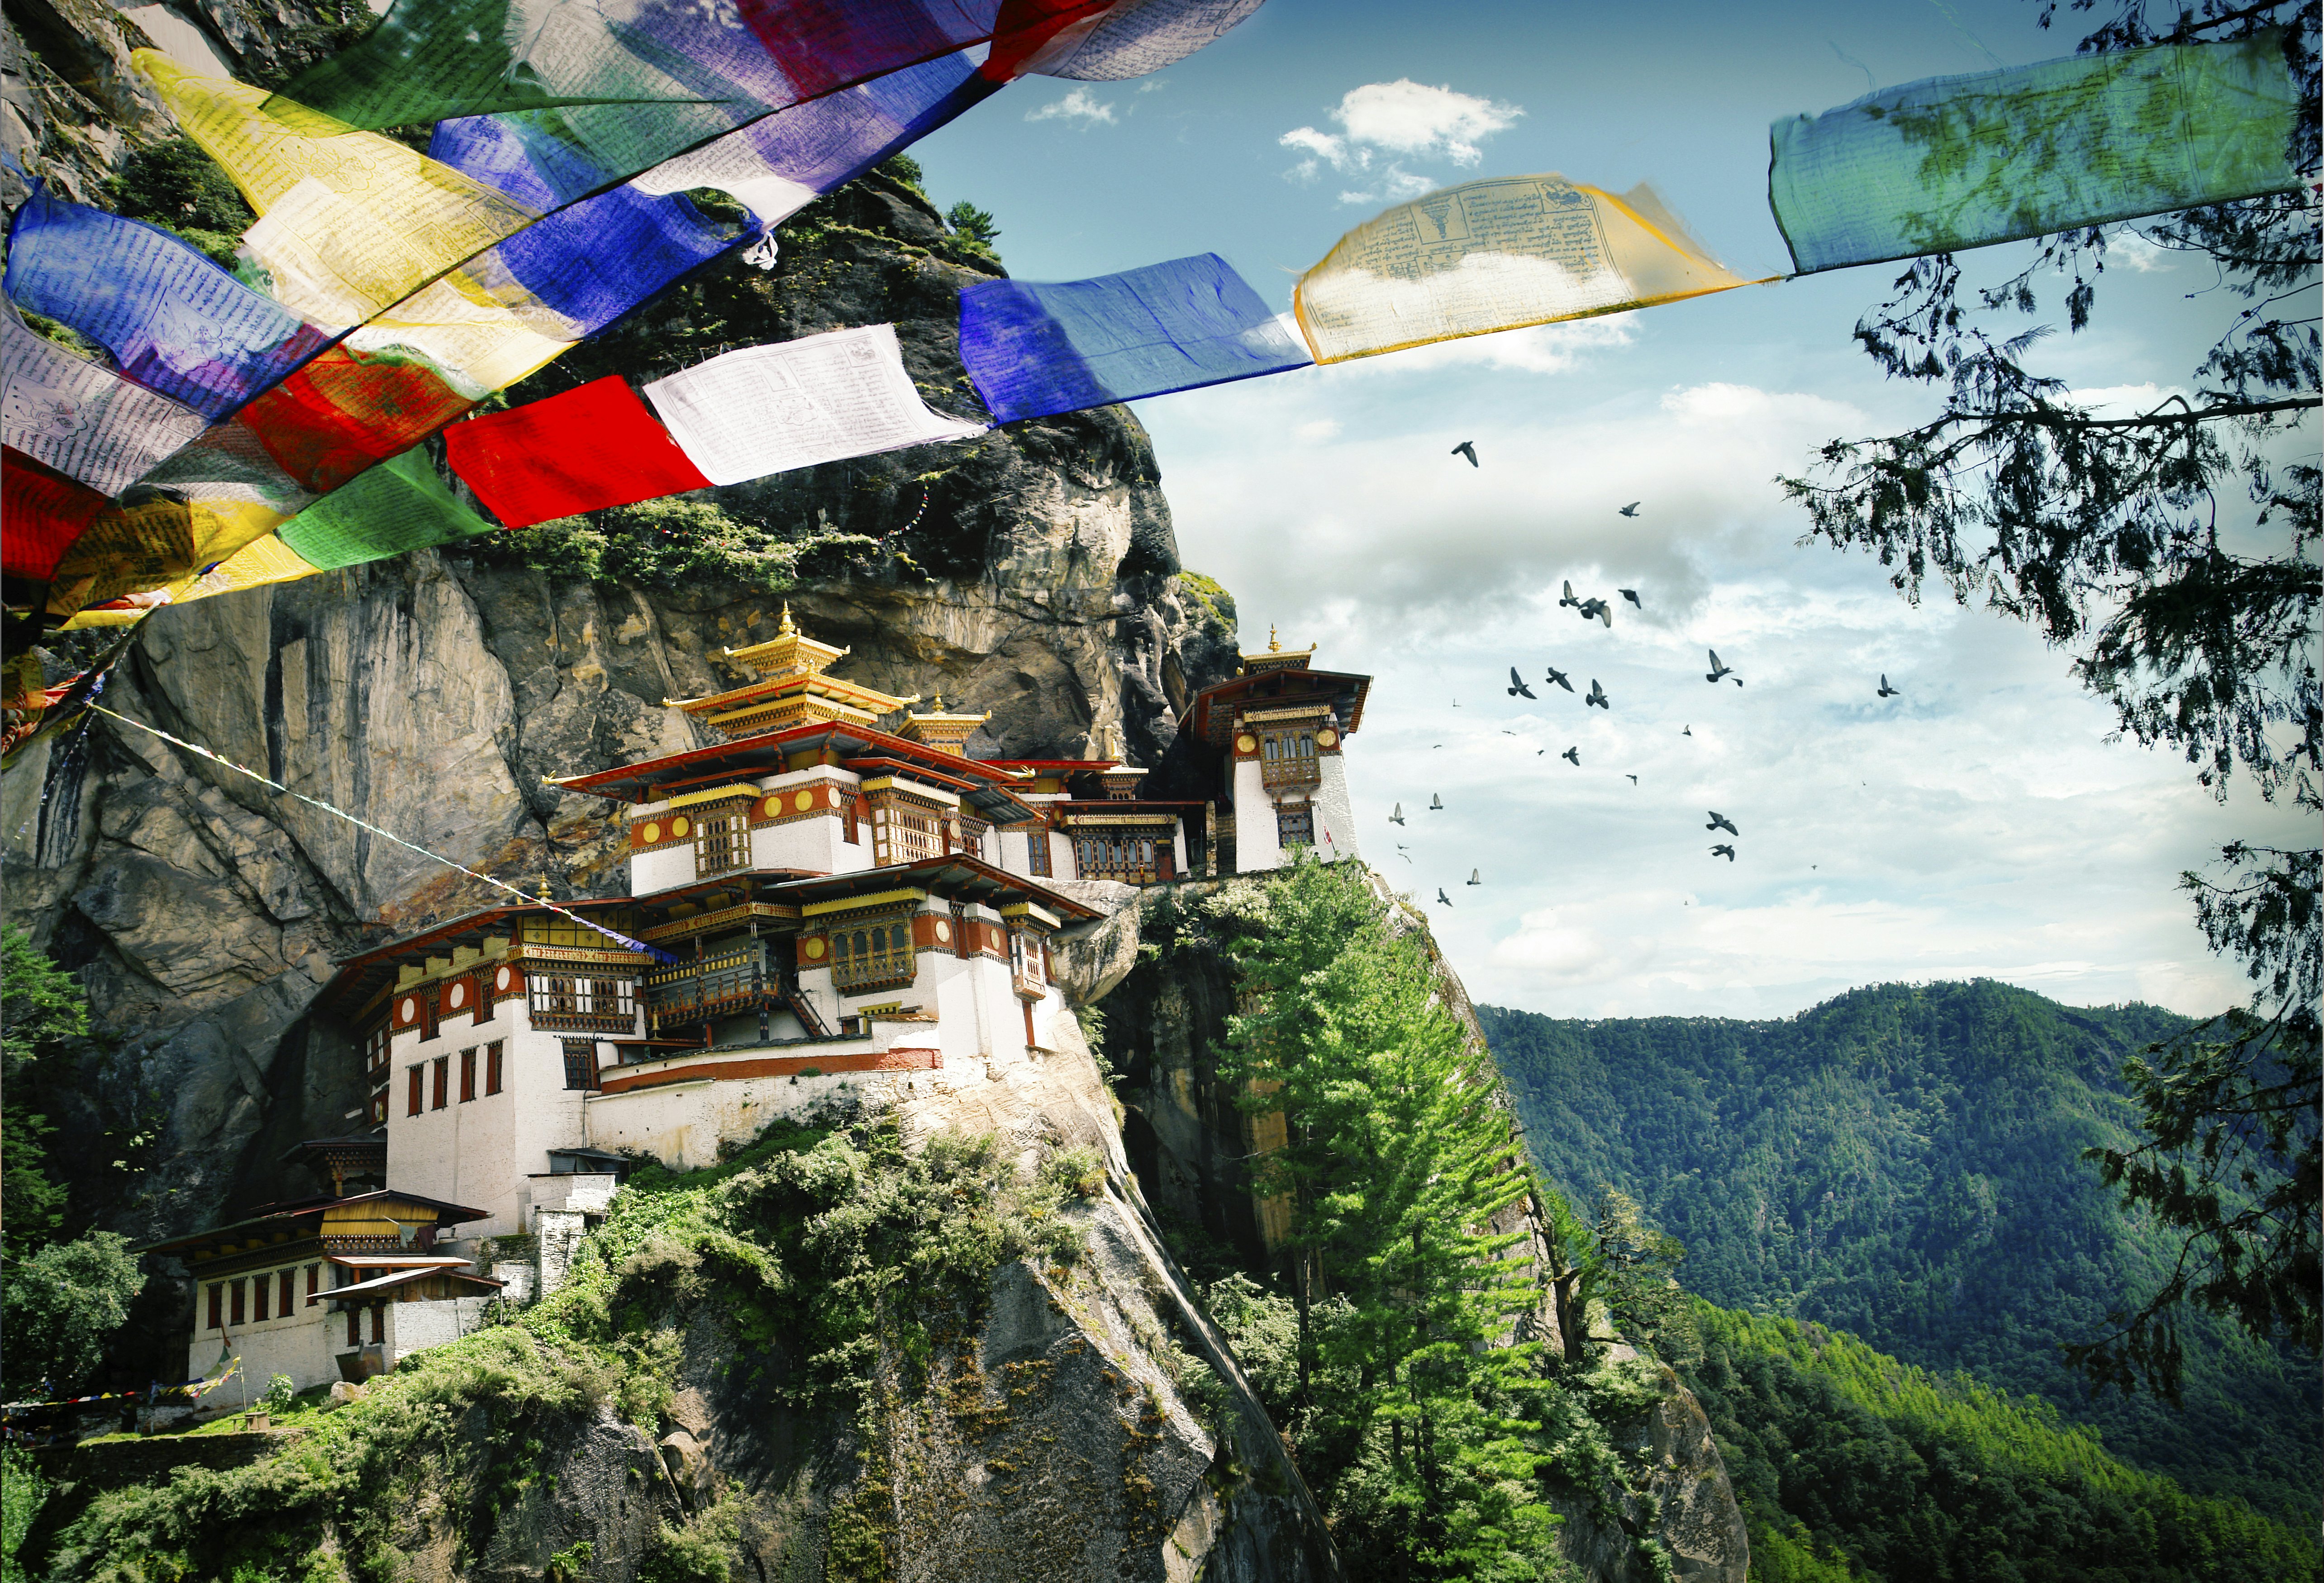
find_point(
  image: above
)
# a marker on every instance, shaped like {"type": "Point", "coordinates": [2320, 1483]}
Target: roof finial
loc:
{"type": "Point", "coordinates": [939, 703]}
{"type": "Point", "coordinates": [1273, 647]}
{"type": "Point", "coordinates": [787, 629]}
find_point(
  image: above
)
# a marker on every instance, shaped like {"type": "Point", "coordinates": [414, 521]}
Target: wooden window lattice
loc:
{"type": "Point", "coordinates": [872, 953]}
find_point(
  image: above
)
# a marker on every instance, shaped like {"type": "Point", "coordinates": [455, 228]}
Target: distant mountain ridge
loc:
{"type": "Point", "coordinates": [1902, 1162]}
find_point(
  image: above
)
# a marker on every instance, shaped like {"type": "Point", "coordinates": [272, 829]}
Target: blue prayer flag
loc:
{"type": "Point", "coordinates": [173, 320]}
{"type": "Point", "coordinates": [1033, 350]}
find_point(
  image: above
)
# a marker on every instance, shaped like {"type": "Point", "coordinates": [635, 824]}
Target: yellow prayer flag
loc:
{"type": "Point", "coordinates": [350, 222]}
{"type": "Point", "coordinates": [1498, 254]}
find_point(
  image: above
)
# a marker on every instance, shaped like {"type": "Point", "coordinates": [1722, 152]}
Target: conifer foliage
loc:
{"type": "Point", "coordinates": [1418, 1416]}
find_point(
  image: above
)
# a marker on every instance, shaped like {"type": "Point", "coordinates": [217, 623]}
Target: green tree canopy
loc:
{"type": "Point", "coordinates": [62, 1305]}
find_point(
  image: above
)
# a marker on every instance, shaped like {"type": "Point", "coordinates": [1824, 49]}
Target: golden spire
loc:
{"type": "Point", "coordinates": [787, 629]}
{"type": "Point", "coordinates": [1273, 647]}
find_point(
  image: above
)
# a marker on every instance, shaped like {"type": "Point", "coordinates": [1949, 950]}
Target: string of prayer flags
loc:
{"type": "Point", "coordinates": [1033, 349]}
{"type": "Point", "coordinates": [1964, 161]}
{"type": "Point", "coordinates": [79, 417]}
{"type": "Point", "coordinates": [588, 448]}
{"type": "Point", "coordinates": [173, 320]}
{"type": "Point", "coordinates": [397, 506]}
{"type": "Point", "coordinates": [822, 398]}
{"type": "Point", "coordinates": [1498, 254]}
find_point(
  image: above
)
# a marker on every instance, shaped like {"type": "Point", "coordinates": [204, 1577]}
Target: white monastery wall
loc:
{"type": "Point", "coordinates": [413, 1326]}
{"type": "Point", "coordinates": [1334, 812]}
{"type": "Point", "coordinates": [1257, 846]}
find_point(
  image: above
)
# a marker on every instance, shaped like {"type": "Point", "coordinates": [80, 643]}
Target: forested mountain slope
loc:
{"type": "Point", "coordinates": [1852, 1466]}
{"type": "Point", "coordinates": [1902, 1162]}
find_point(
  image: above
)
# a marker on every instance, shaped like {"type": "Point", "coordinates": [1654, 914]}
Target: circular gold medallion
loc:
{"type": "Point", "coordinates": [1327, 737]}
{"type": "Point", "coordinates": [813, 949]}
{"type": "Point", "coordinates": [943, 932]}
{"type": "Point", "coordinates": [409, 1011]}
{"type": "Point", "coordinates": [803, 801]}
{"type": "Point", "coordinates": [677, 826]}
{"type": "Point", "coordinates": [650, 832]}
{"type": "Point", "coordinates": [1246, 743]}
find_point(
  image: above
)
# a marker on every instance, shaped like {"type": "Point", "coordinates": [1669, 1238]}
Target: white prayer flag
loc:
{"type": "Point", "coordinates": [821, 398]}
{"type": "Point", "coordinates": [81, 418]}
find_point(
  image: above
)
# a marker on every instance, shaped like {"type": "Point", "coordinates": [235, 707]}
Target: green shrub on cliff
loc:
{"type": "Point", "coordinates": [41, 1004]}
{"type": "Point", "coordinates": [811, 1245]}
{"type": "Point", "coordinates": [673, 542]}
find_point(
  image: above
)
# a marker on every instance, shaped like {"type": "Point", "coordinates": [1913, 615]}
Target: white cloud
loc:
{"type": "Point", "coordinates": [1081, 105]}
{"type": "Point", "coordinates": [1402, 118]}
{"type": "Point", "coordinates": [2134, 251]}
{"type": "Point", "coordinates": [1320, 429]}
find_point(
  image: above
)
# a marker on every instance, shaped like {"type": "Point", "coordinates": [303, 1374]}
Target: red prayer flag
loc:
{"type": "Point", "coordinates": [42, 512]}
{"type": "Point", "coordinates": [346, 411]}
{"type": "Point", "coordinates": [587, 450]}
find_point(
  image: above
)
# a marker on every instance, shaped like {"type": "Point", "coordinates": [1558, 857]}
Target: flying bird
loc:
{"type": "Point", "coordinates": [1442, 897]}
{"type": "Point", "coordinates": [1402, 853]}
{"type": "Point", "coordinates": [1473, 879]}
{"type": "Point", "coordinates": [1597, 696]}
{"type": "Point", "coordinates": [1517, 689]}
{"type": "Point", "coordinates": [1631, 509]}
{"type": "Point", "coordinates": [1397, 817]}
{"type": "Point", "coordinates": [1886, 690]}
{"type": "Point", "coordinates": [1633, 779]}
{"type": "Point", "coordinates": [1598, 609]}
{"type": "Point", "coordinates": [1686, 730]}
{"type": "Point", "coordinates": [1557, 678]}
{"type": "Point", "coordinates": [1718, 670]}
{"type": "Point", "coordinates": [1506, 732]}
{"type": "Point", "coordinates": [1723, 850]}
{"type": "Point", "coordinates": [1573, 755]}
{"type": "Point", "coordinates": [1719, 821]}
{"type": "Point", "coordinates": [1435, 801]}
{"type": "Point", "coordinates": [1569, 598]}
{"type": "Point", "coordinates": [1632, 596]}
{"type": "Point", "coordinates": [1467, 448]}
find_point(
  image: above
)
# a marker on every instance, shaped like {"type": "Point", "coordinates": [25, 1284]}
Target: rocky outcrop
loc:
{"type": "Point", "coordinates": [1186, 1141]}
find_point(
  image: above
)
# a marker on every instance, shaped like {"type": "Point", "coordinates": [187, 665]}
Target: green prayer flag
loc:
{"type": "Point", "coordinates": [1964, 161]}
{"type": "Point", "coordinates": [430, 60]}
{"type": "Point", "coordinates": [398, 506]}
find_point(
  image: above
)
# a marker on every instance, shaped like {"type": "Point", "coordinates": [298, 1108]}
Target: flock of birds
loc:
{"type": "Point", "coordinates": [1599, 610]}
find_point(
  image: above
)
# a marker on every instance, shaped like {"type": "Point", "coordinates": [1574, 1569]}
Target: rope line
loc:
{"type": "Point", "coordinates": [624, 940]}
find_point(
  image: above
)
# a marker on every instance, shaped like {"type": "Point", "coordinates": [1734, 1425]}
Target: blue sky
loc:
{"type": "Point", "coordinates": [1977, 824]}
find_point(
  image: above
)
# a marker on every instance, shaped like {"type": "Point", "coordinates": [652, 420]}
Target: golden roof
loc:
{"type": "Point", "coordinates": [1276, 656]}
{"type": "Point", "coordinates": [790, 653]}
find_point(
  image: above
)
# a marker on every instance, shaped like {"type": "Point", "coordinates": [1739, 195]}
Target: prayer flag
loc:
{"type": "Point", "coordinates": [82, 419]}
{"type": "Point", "coordinates": [584, 450]}
{"type": "Point", "coordinates": [777, 166]}
{"type": "Point", "coordinates": [1034, 349]}
{"type": "Point", "coordinates": [399, 505]}
{"type": "Point", "coordinates": [1964, 161]}
{"type": "Point", "coordinates": [136, 549]}
{"type": "Point", "coordinates": [174, 321]}
{"type": "Point", "coordinates": [819, 398]}
{"type": "Point", "coordinates": [42, 512]}
{"type": "Point", "coordinates": [1133, 37]}
{"type": "Point", "coordinates": [347, 411]}
{"type": "Point", "coordinates": [1498, 254]}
